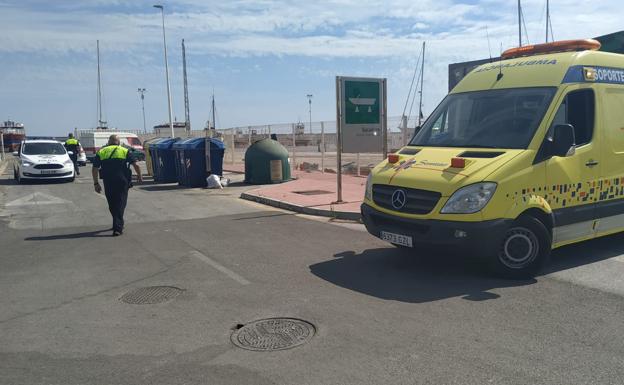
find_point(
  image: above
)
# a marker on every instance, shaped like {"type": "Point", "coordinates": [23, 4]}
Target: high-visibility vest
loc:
{"type": "Point", "coordinates": [71, 142]}
{"type": "Point", "coordinates": [112, 152]}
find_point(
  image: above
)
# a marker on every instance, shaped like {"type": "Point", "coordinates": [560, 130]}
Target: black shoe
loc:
{"type": "Point", "coordinates": [117, 233]}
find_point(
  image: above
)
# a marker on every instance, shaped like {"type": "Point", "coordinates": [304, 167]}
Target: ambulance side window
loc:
{"type": "Point", "coordinates": [578, 109]}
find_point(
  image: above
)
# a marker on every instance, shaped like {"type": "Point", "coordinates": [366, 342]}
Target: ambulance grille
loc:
{"type": "Point", "coordinates": [417, 201]}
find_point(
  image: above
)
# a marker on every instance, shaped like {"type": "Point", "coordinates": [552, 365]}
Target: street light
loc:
{"type": "Point", "coordinates": [309, 96]}
{"type": "Point", "coordinates": [162, 11]}
{"type": "Point", "coordinates": [142, 92]}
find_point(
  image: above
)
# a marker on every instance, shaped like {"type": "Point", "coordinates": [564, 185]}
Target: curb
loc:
{"type": "Point", "coordinates": [345, 215]}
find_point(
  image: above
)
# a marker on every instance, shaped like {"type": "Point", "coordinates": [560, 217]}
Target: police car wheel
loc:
{"type": "Point", "coordinates": [524, 249]}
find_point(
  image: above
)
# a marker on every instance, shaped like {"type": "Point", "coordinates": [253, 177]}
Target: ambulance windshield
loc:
{"type": "Point", "coordinates": [486, 119]}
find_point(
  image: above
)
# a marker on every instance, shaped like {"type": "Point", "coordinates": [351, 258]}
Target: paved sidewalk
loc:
{"type": "Point", "coordinates": [313, 193]}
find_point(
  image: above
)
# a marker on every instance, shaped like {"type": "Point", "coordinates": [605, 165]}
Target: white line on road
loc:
{"type": "Point", "coordinates": [38, 198]}
{"type": "Point", "coordinates": [219, 267]}
{"type": "Point", "coordinates": [4, 166]}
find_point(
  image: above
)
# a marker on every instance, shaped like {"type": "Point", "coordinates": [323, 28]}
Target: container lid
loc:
{"type": "Point", "coordinates": [164, 143]}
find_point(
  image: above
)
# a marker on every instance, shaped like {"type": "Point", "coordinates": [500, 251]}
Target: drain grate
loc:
{"type": "Point", "coordinates": [313, 192]}
{"type": "Point", "coordinates": [151, 295]}
{"type": "Point", "coordinates": [273, 334]}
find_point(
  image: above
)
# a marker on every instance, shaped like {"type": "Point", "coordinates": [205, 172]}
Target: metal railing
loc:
{"type": "Point", "coordinates": [311, 147]}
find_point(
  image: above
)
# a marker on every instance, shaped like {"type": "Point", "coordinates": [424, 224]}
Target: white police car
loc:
{"type": "Point", "coordinates": [42, 159]}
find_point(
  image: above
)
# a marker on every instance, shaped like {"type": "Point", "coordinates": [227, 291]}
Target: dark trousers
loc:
{"type": "Point", "coordinates": [74, 158]}
{"type": "Point", "coordinates": [117, 197]}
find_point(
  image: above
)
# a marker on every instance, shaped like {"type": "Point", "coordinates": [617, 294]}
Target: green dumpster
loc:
{"type": "Point", "coordinates": [266, 161]}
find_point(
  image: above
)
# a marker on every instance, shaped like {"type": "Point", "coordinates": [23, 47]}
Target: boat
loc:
{"type": "Point", "coordinates": [12, 135]}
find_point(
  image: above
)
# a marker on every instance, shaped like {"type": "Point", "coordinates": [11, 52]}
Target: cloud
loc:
{"type": "Point", "coordinates": [239, 41]}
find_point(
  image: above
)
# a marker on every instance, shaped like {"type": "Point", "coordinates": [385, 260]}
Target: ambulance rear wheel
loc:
{"type": "Point", "coordinates": [524, 249]}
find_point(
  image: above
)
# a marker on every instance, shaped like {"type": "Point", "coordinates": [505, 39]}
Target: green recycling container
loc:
{"type": "Point", "coordinates": [266, 161]}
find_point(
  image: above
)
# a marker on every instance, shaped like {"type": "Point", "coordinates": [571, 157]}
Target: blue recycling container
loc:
{"type": "Point", "coordinates": [164, 160]}
{"type": "Point", "coordinates": [191, 160]}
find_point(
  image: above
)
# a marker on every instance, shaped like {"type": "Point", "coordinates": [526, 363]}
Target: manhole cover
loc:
{"type": "Point", "coordinates": [151, 294]}
{"type": "Point", "coordinates": [313, 192]}
{"type": "Point", "coordinates": [273, 334]}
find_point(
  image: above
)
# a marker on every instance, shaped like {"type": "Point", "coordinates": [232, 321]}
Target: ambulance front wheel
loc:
{"type": "Point", "coordinates": [524, 249]}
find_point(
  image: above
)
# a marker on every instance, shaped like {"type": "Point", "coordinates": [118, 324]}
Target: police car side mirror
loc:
{"type": "Point", "coordinates": [70, 153]}
{"type": "Point", "coordinates": [563, 141]}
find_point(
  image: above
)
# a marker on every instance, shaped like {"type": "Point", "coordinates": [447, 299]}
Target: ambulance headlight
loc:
{"type": "Point", "coordinates": [368, 192]}
{"type": "Point", "coordinates": [470, 199]}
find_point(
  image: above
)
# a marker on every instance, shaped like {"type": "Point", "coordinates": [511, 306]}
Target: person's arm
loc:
{"type": "Point", "coordinates": [137, 170]}
{"type": "Point", "coordinates": [95, 173]}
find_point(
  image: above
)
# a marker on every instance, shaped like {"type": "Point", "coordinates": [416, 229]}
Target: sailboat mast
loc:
{"type": "Point", "coordinates": [519, 24]}
{"type": "Point", "coordinates": [547, 18]}
{"type": "Point", "coordinates": [422, 80]}
{"type": "Point", "coordinates": [187, 114]}
{"type": "Point", "coordinates": [99, 87]}
{"type": "Point", "coordinates": [214, 122]}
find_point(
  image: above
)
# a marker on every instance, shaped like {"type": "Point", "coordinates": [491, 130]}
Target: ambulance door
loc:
{"type": "Point", "coordinates": [610, 207]}
{"type": "Point", "coordinates": [572, 181]}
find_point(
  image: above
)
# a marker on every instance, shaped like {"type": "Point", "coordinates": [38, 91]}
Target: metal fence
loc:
{"type": "Point", "coordinates": [311, 146]}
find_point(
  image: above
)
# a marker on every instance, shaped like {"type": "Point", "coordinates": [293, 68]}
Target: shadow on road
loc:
{"type": "Point", "coordinates": [399, 275]}
{"type": "Point", "coordinates": [585, 253]}
{"type": "Point", "coordinates": [8, 182]}
{"type": "Point", "coordinates": [86, 234]}
{"type": "Point", "coordinates": [161, 187]}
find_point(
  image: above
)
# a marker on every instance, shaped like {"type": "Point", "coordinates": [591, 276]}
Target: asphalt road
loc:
{"type": "Point", "coordinates": [382, 316]}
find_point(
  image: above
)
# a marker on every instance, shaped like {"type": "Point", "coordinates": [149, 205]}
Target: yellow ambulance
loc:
{"type": "Point", "coordinates": [523, 156]}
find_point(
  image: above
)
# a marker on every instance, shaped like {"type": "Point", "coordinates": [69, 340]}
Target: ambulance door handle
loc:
{"type": "Point", "coordinates": [591, 163]}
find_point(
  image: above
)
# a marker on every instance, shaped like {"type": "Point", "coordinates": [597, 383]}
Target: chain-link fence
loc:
{"type": "Point", "coordinates": [311, 146]}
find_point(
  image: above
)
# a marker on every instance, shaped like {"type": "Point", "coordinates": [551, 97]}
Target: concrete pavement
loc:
{"type": "Point", "coordinates": [382, 316]}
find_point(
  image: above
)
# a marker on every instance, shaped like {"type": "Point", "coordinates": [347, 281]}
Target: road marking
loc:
{"type": "Point", "coordinates": [37, 198]}
{"type": "Point", "coordinates": [4, 166]}
{"type": "Point", "coordinates": [219, 267]}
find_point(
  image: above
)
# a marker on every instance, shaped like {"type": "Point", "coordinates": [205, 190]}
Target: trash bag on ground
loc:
{"type": "Point", "coordinates": [214, 181]}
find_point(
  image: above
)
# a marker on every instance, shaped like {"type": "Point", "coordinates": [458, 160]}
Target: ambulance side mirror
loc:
{"type": "Point", "coordinates": [563, 141]}
{"type": "Point", "coordinates": [15, 153]}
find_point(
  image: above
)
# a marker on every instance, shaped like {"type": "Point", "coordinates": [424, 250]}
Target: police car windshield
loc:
{"type": "Point", "coordinates": [486, 119]}
{"type": "Point", "coordinates": [43, 149]}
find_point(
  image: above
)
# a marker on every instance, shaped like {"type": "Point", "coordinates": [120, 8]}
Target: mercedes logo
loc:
{"type": "Point", "coordinates": [398, 199]}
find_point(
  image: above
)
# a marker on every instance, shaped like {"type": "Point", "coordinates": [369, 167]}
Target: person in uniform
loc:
{"type": "Point", "coordinates": [72, 144]}
{"type": "Point", "coordinates": [113, 163]}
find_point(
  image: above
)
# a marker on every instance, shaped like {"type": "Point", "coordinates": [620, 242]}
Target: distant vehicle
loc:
{"type": "Point", "coordinates": [82, 157]}
{"type": "Point", "coordinates": [14, 133]}
{"type": "Point", "coordinates": [139, 155]}
{"type": "Point", "coordinates": [43, 159]}
{"type": "Point", "coordinates": [92, 141]}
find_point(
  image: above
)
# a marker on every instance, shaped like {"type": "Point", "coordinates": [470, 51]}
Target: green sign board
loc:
{"type": "Point", "coordinates": [362, 116]}
{"type": "Point", "coordinates": [362, 102]}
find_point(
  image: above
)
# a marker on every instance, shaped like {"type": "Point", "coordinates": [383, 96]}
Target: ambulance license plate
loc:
{"type": "Point", "coordinates": [397, 239]}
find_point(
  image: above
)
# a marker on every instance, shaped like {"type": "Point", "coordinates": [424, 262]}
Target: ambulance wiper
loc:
{"type": "Point", "coordinates": [478, 146]}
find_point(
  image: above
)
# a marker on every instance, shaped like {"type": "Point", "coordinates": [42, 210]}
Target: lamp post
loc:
{"type": "Point", "coordinates": [142, 91]}
{"type": "Point", "coordinates": [309, 96]}
{"type": "Point", "coordinates": [162, 11]}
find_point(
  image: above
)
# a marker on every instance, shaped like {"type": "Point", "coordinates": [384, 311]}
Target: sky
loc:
{"type": "Point", "coordinates": [259, 58]}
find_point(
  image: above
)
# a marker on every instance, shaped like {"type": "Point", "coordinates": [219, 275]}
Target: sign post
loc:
{"type": "Point", "coordinates": [361, 118]}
